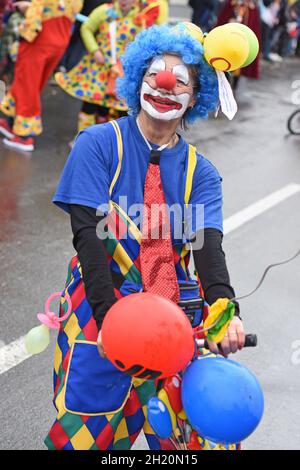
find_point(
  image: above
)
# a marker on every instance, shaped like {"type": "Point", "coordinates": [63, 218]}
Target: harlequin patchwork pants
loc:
{"type": "Point", "coordinates": [114, 431]}
{"type": "Point", "coordinates": [98, 406]}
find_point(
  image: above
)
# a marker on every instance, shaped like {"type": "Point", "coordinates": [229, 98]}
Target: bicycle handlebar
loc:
{"type": "Point", "coordinates": [250, 342]}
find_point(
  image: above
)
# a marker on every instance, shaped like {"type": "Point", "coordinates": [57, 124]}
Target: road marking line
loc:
{"type": "Point", "coordinates": [259, 207]}
{"type": "Point", "coordinates": [14, 353]}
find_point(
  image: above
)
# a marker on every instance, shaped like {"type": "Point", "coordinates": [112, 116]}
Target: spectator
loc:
{"type": "Point", "coordinates": [269, 10]}
{"type": "Point", "coordinates": [294, 15]}
{"type": "Point", "coordinates": [204, 13]}
{"type": "Point", "coordinates": [280, 36]}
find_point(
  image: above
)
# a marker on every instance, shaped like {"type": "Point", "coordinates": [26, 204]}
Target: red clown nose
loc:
{"type": "Point", "coordinates": [165, 79]}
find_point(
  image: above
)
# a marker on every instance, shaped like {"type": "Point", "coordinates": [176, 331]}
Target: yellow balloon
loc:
{"type": "Point", "coordinates": [37, 339]}
{"type": "Point", "coordinates": [253, 43]}
{"type": "Point", "coordinates": [162, 395]}
{"type": "Point", "coordinates": [226, 47]}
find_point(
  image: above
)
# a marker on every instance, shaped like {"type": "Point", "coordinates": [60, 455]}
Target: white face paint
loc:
{"type": "Point", "coordinates": [181, 73]}
{"type": "Point", "coordinates": [162, 106]}
{"type": "Point", "coordinates": [157, 65]}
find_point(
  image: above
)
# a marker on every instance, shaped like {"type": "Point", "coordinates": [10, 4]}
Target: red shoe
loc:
{"type": "Point", "coordinates": [26, 144]}
{"type": "Point", "coordinates": [5, 128]}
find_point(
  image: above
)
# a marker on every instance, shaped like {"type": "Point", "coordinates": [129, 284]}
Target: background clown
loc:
{"type": "Point", "coordinates": [105, 34]}
{"type": "Point", "coordinates": [45, 33]}
{"type": "Point", "coordinates": [166, 82]}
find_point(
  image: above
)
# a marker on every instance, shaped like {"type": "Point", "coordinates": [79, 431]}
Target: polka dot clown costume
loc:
{"type": "Point", "coordinates": [108, 29]}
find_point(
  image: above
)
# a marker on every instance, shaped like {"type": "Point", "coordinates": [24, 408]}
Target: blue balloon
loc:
{"type": "Point", "coordinates": [222, 399]}
{"type": "Point", "coordinates": [159, 418]}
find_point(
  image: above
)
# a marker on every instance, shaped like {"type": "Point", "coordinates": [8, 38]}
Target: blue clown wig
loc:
{"type": "Point", "coordinates": [158, 40]}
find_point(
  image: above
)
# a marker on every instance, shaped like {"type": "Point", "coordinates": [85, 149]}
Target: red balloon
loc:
{"type": "Point", "coordinates": [165, 79]}
{"type": "Point", "coordinates": [147, 336]}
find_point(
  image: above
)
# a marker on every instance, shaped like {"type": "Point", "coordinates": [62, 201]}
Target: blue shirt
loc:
{"type": "Point", "coordinates": [91, 167]}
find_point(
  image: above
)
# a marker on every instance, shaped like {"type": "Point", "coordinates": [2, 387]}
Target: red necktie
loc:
{"type": "Point", "coordinates": [156, 253]}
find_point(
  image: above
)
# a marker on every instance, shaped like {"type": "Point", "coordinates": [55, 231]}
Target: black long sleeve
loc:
{"type": "Point", "coordinates": [92, 256]}
{"type": "Point", "coordinates": [211, 266]}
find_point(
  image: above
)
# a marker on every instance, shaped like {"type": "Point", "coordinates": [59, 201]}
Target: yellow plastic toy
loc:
{"type": "Point", "coordinates": [220, 315]}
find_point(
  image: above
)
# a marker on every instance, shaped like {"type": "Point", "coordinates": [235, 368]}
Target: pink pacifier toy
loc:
{"type": "Point", "coordinates": [38, 338]}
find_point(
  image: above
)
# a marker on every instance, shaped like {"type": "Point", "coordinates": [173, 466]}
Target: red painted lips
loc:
{"type": "Point", "coordinates": [162, 104]}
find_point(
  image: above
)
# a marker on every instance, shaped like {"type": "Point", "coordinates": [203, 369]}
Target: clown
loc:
{"type": "Point", "coordinates": [113, 170]}
{"type": "Point", "coordinates": [45, 34]}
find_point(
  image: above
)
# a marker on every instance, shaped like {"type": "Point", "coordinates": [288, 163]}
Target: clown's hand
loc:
{"type": "Point", "coordinates": [233, 341]}
{"type": "Point", "coordinates": [99, 57]}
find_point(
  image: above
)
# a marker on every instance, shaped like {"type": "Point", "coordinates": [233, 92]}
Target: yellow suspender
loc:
{"type": "Point", "coordinates": [192, 162]}
{"type": "Point", "coordinates": [120, 155]}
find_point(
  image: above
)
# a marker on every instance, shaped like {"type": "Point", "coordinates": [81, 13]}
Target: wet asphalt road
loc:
{"type": "Point", "coordinates": [255, 158]}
